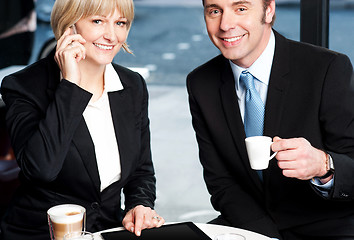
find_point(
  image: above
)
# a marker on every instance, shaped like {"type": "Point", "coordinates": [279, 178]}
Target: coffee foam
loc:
{"type": "Point", "coordinates": [59, 213]}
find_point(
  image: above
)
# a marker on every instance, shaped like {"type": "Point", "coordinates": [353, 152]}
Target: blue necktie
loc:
{"type": "Point", "coordinates": [254, 110]}
{"type": "Point", "coordinates": [254, 107]}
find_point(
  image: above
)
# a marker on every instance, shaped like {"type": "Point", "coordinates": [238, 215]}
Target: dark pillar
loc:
{"type": "Point", "coordinates": [314, 22]}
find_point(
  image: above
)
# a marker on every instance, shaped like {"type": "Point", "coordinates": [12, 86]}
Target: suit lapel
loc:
{"type": "Point", "coordinates": [233, 117]}
{"type": "Point", "coordinates": [84, 144]}
{"type": "Point", "coordinates": [120, 108]}
{"type": "Point", "coordinates": [278, 86]}
{"type": "Point", "coordinates": [122, 111]}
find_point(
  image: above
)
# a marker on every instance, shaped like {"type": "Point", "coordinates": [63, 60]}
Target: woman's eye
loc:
{"type": "Point", "coordinates": [121, 23]}
{"type": "Point", "coordinates": [97, 21]}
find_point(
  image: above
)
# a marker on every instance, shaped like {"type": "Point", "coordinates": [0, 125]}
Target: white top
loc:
{"type": "Point", "coordinates": [99, 122]}
{"type": "Point", "coordinates": [260, 69]}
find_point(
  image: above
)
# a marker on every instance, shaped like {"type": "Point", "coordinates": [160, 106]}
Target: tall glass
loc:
{"type": "Point", "coordinates": [64, 219]}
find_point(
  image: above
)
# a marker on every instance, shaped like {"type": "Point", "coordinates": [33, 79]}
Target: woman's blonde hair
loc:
{"type": "Point", "coordinates": [66, 13]}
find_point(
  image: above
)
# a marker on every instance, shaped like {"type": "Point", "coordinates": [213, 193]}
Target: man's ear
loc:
{"type": "Point", "coordinates": [270, 12]}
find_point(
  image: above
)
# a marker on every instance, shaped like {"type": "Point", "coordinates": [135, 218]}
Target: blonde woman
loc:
{"type": "Point", "coordinates": [79, 126]}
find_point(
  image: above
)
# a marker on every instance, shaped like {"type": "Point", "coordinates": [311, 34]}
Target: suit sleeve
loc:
{"type": "Point", "coordinates": [337, 117]}
{"type": "Point", "coordinates": [141, 186]}
{"type": "Point", "coordinates": [237, 206]}
{"type": "Point", "coordinates": [41, 129]}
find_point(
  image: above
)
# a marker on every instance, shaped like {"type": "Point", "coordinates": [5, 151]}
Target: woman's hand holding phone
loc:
{"type": "Point", "coordinates": [69, 52]}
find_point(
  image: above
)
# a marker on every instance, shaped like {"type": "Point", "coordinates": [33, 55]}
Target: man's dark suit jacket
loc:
{"type": "Point", "coordinates": [310, 95]}
{"type": "Point", "coordinates": [56, 154]}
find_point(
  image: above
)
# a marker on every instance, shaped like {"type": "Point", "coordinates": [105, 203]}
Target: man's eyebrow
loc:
{"type": "Point", "coordinates": [214, 5]}
{"type": "Point", "coordinates": [242, 2]}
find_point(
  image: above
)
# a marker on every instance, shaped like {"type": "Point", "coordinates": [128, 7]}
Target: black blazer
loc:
{"type": "Point", "coordinates": [56, 154]}
{"type": "Point", "coordinates": [310, 95]}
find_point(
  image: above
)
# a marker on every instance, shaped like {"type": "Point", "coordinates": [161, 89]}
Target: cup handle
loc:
{"type": "Point", "coordinates": [271, 157]}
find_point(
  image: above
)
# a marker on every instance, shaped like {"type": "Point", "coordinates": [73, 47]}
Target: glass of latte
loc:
{"type": "Point", "coordinates": [64, 219]}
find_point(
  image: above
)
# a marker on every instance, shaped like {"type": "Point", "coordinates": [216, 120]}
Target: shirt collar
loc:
{"type": "Point", "coordinates": [261, 68]}
{"type": "Point", "coordinates": [112, 83]}
{"type": "Point", "coordinates": [111, 79]}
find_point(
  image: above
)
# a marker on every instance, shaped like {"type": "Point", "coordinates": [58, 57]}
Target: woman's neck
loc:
{"type": "Point", "coordinates": [92, 78]}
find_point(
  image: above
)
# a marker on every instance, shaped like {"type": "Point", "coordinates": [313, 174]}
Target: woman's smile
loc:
{"type": "Point", "coordinates": [103, 46]}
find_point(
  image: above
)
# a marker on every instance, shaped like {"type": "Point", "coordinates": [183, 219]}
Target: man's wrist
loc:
{"type": "Point", "coordinates": [329, 167]}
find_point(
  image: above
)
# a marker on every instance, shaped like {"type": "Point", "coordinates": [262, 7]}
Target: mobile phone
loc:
{"type": "Point", "coordinates": [74, 29]}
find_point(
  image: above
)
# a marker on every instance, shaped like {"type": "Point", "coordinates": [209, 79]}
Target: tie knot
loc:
{"type": "Point", "coordinates": [247, 79]}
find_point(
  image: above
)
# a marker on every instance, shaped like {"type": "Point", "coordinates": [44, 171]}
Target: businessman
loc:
{"type": "Point", "coordinates": [300, 95]}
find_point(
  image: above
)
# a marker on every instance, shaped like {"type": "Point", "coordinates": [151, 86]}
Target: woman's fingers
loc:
{"type": "Point", "coordinates": [77, 50]}
{"type": "Point", "coordinates": [69, 51]}
{"type": "Point", "coordinates": [69, 37]}
{"type": "Point", "coordinates": [68, 41]}
{"type": "Point", "coordinates": [61, 39]}
{"type": "Point", "coordinates": [140, 218]}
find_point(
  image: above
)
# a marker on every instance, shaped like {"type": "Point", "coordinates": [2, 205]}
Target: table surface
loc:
{"type": "Point", "coordinates": [211, 230]}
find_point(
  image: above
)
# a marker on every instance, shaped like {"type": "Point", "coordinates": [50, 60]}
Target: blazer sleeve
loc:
{"type": "Point", "coordinates": [337, 117]}
{"type": "Point", "coordinates": [237, 206]}
{"type": "Point", "coordinates": [140, 188]}
{"type": "Point", "coordinates": [41, 128]}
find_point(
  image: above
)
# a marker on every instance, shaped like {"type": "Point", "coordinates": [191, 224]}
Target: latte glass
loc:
{"type": "Point", "coordinates": [64, 219]}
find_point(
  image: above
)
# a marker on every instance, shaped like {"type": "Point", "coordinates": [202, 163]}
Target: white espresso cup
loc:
{"type": "Point", "coordinates": [258, 150]}
{"type": "Point", "coordinates": [64, 219]}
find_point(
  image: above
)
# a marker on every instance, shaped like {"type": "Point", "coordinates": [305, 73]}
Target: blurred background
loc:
{"type": "Point", "coordinates": [169, 39]}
